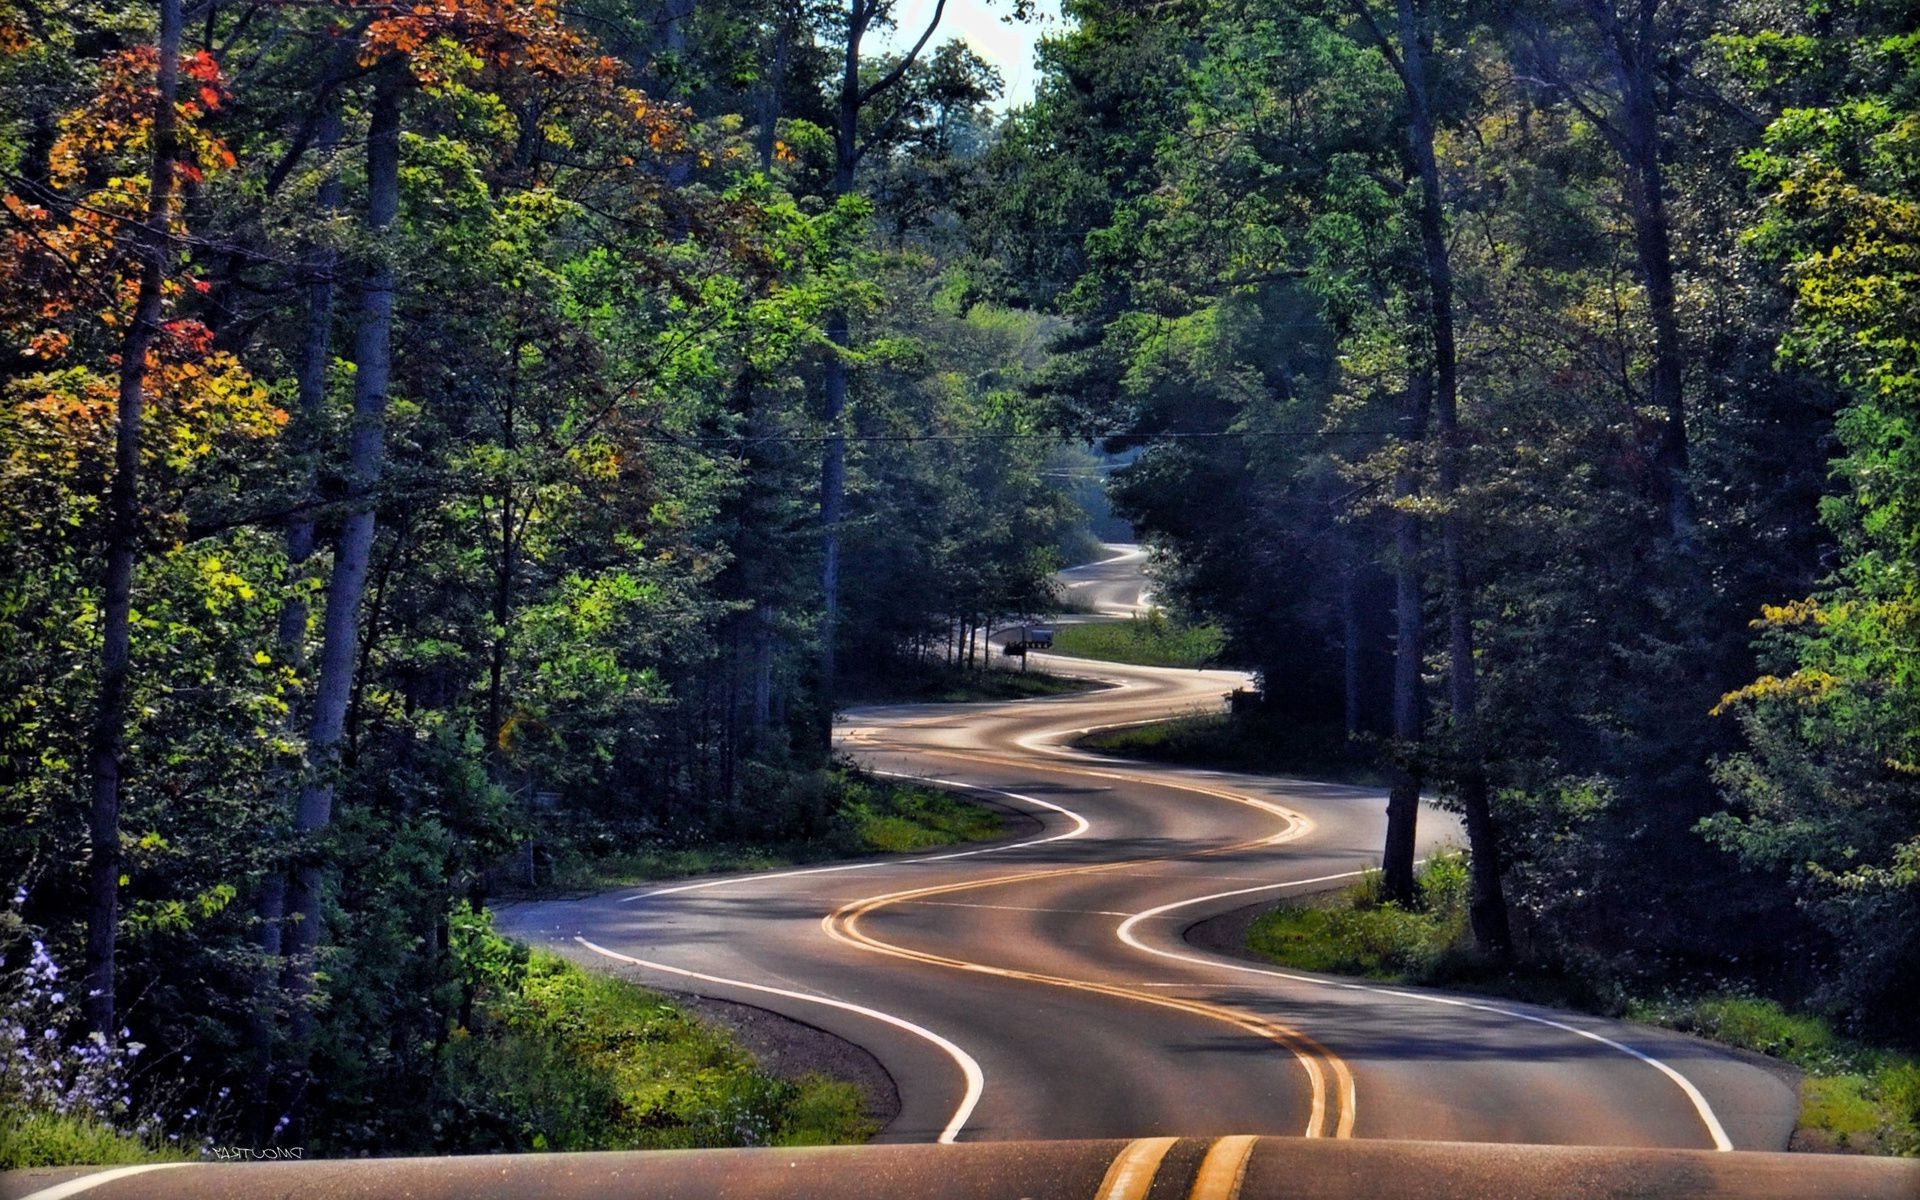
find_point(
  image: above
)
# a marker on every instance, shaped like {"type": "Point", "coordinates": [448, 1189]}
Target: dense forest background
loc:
{"type": "Point", "coordinates": [437, 436]}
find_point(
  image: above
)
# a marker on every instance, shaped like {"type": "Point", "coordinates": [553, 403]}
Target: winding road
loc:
{"type": "Point", "coordinates": [1042, 988]}
{"type": "Point", "coordinates": [1040, 1007]}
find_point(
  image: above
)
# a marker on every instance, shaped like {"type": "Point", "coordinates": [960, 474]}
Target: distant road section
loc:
{"type": "Point", "coordinates": [1113, 587]}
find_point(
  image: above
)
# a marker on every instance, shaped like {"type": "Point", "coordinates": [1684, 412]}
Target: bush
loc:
{"type": "Point", "coordinates": [1361, 935]}
{"type": "Point", "coordinates": [42, 1139]}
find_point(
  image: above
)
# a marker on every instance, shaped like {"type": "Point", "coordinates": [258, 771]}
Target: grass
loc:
{"type": "Point", "coordinates": [39, 1139]}
{"type": "Point", "coordinates": [1260, 743]}
{"type": "Point", "coordinates": [558, 1058]}
{"type": "Point", "coordinates": [895, 818]}
{"type": "Point", "coordinates": [1149, 641]}
{"type": "Point", "coordinates": [870, 816]}
{"type": "Point", "coordinates": [1853, 1097]}
{"type": "Point", "coordinates": [938, 683]}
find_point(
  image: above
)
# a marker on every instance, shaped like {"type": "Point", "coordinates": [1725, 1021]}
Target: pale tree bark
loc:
{"type": "Point", "coordinates": [347, 582]}
{"type": "Point", "coordinates": [310, 385]}
{"type": "Point", "coordinates": [109, 736]}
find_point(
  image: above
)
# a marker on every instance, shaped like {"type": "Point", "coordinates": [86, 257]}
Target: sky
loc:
{"type": "Point", "coordinates": [1008, 46]}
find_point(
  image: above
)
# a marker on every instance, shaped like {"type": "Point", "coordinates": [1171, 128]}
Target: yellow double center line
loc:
{"type": "Point", "coordinates": [1329, 1080]}
{"type": "Point", "coordinates": [1222, 1172]}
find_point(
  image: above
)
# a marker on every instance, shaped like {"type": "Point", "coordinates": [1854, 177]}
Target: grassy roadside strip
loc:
{"type": "Point", "coordinates": [937, 683]}
{"type": "Point", "coordinates": [1259, 743]}
{"type": "Point", "coordinates": [1149, 641]}
{"type": "Point", "coordinates": [868, 816]}
{"type": "Point", "coordinates": [1853, 1097]}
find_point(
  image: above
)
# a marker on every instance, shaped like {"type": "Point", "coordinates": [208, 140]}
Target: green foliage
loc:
{"type": "Point", "coordinates": [1153, 641]}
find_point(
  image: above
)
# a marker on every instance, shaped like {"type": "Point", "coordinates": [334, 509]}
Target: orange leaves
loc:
{"type": "Point", "coordinates": [64, 251]}
{"type": "Point", "coordinates": [504, 35]}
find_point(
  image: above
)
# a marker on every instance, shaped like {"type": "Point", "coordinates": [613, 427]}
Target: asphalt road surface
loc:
{"type": "Point", "coordinates": [1042, 989]}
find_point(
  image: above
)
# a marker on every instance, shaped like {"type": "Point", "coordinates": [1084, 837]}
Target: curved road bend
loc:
{"type": "Point", "coordinates": [1042, 988]}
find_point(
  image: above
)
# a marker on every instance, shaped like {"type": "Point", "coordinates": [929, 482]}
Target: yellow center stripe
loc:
{"type": "Point", "coordinates": [1224, 1169]}
{"type": "Point", "coordinates": [1131, 1174]}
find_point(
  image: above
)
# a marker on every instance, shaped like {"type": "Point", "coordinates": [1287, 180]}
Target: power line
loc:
{"type": "Point", "coordinates": [1119, 435]}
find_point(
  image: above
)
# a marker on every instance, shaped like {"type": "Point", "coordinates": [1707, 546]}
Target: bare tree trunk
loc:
{"type": "Point", "coordinates": [847, 150]}
{"type": "Point", "coordinates": [311, 392]}
{"type": "Point", "coordinates": [506, 572]}
{"type": "Point", "coordinates": [1350, 633]}
{"type": "Point", "coordinates": [1403, 801]}
{"type": "Point", "coordinates": [772, 94]}
{"type": "Point", "coordinates": [1489, 908]}
{"type": "Point", "coordinates": [109, 736]}
{"type": "Point", "coordinates": [762, 669]}
{"type": "Point", "coordinates": [1633, 51]}
{"type": "Point", "coordinates": [340, 641]}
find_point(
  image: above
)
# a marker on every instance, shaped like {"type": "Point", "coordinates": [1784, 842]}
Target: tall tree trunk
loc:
{"type": "Point", "coordinates": [1351, 631]}
{"type": "Point", "coordinates": [506, 571]}
{"type": "Point", "coordinates": [1634, 48]}
{"type": "Point", "coordinates": [347, 583]}
{"type": "Point", "coordinates": [311, 394]}
{"type": "Point", "coordinates": [109, 736]}
{"type": "Point", "coordinates": [1488, 905]}
{"type": "Point", "coordinates": [772, 93]}
{"type": "Point", "coordinates": [833, 485]}
{"type": "Point", "coordinates": [833, 460]}
{"type": "Point", "coordinates": [1403, 801]}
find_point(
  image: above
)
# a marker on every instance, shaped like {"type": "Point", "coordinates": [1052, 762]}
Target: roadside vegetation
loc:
{"type": "Point", "coordinates": [536, 1054]}
{"type": "Point", "coordinates": [1853, 1096]}
{"type": "Point", "coordinates": [1153, 640]}
{"type": "Point", "coordinates": [553, 1057]}
{"type": "Point", "coordinates": [1258, 742]}
{"type": "Point", "coordinates": [32, 1138]}
{"type": "Point", "coordinates": [864, 815]}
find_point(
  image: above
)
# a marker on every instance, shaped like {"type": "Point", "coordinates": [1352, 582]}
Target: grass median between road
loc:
{"type": "Point", "coordinates": [1258, 742]}
{"type": "Point", "coordinates": [1149, 641]}
{"type": "Point", "coordinates": [1853, 1097]}
{"type": "Point", "coordinates": [930, 682]}
{"type": "Point", "coordinates": [864, 815]}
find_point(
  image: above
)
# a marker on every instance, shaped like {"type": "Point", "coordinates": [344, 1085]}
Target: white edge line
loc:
{"type": "Point", "coordinates": [86, 1183]}
{"type": "Point", "coordinates": [1080, 826]}
{"type": "Point", "coordinates": [1125, 932]}
{"type": "Point", "coordinates": [976, 1079]}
